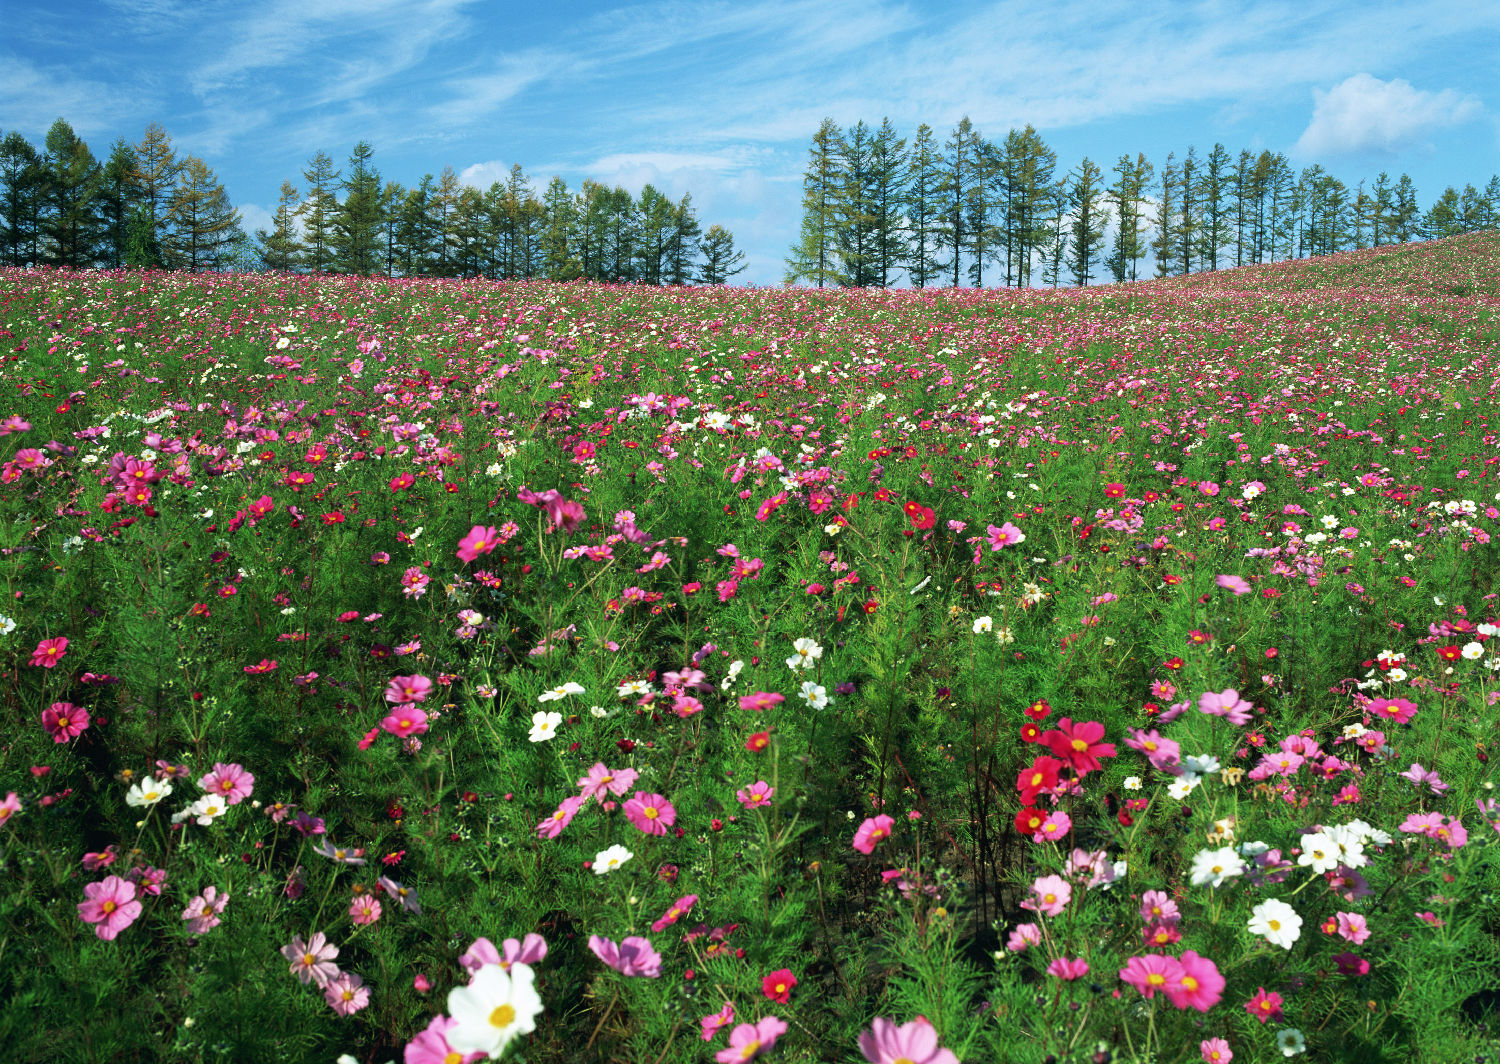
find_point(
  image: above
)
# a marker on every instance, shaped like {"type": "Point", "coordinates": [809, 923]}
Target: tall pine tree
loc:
{"type": "Point", "coordinates": [813, 256]}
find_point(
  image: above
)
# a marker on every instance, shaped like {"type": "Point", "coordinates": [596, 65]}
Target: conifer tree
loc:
{"type": "Point", "coordinates": [1406, 220]}
{"type": "Point", "coordinates": [959, 187]}
{"type": "Point", "coordinates": [355, 235]}
{"type": "Point", "coordinates": [318, 212]}
{"type": "Point", "coordinates": [812, 257]}
{"type": "Point", "coordinates": [391, 199]}
{"type": "Point", "coordinates": [156, 173]}
{"type": "Point", "coordinates": [854, 220]}
{"type": "Point", "coordinates": [280, 249]}
{"type": "Point", "coordinates": [720, 260]}
{"type": "Point", "coordinates": [1164, 244]}
{"type": "Point", "coordinates": [683, 249]}
{"type": "Point", "coordinates": [1127, 195]}
{"type": "Point", "coordinates": [1189, 217]}
{"type": "Point", "coordinates": [923, 207]}
{"type": "Point", "coordinates": [1089, 217]}
{"type": "Point", "coordinates": [116, 202]}
{"type": "Point", "coordinates": [204, 225]}
{"type": "Point", "coordinates": [888, 175]}
{"type": "Point", "coordinates": [72, 183]}
{"type": "Point", "coordinates": [1213, 195]}
{"type": "Point", "coordinates": [559, 260]}
{"type": "Point", "coordinates": [24, 184]}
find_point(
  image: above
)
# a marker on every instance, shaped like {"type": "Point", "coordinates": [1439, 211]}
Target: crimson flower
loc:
{"type": "Point", "coordinates": [1079, 744]}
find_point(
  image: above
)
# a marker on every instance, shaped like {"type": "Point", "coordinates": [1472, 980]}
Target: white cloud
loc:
{"type": "Point", "coordinates": [1363, 115]}
{"type": "Point", "coordinates": [253, 217]}
{"type": "Point", "coordinates": [482, 175]}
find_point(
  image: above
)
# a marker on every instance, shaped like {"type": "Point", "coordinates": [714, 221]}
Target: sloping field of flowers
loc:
{"type": "Point", "coordinates": [443, 671]}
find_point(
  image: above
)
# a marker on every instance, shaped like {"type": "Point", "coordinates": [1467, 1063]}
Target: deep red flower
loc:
{"type": "Point", "coordinates": [778, 985]}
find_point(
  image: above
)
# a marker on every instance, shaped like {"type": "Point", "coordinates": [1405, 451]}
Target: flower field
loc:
{"type": "Point", "coordinates": [452, 670]}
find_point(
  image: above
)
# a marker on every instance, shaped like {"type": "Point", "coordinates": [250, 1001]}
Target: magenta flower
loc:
{"type": "Point", "coordinates": [675, 912]}
{"type": "Point", "coordinates": [1199, 984]}
{"type": "Point", "coordinates": [202, 913]}
{"type": "Point", "coordinates": [110, 904]}
{"type": "Point", "coordinates": [49, 652]}
{"type": "Point", "coordinates": [405, 689]}
{"type": "Point", "coordinates": [1236, 584]}
{"type": "Point", "coordinates": [1157, 908]}
{"type": "Point", "coordinates": [871, 832]}
{"type": "Point", "coordinates": [1049, 895]}
{"type": "Point", "coordinates": [651, 813]}
{"type": "Point", "coordinates": [915, 1042]}
{"type": "Point", "coordinates": [715, 1022]}
{"type": "Point", "coordinates": [9, 807]}
{"type": "Point", "coordinates": [1228, 704]}
{"type": "Point", "coordinates": [64, 721]}
{"type": "Point", "coordinates": [1151, 973]}
{"type": "Point", "coordinates": [748, 1041]}
{"type": "Point", "coordinates": [756, 795]}
{"type": "Point", "coordinates": [602, 780]}
{"type": "Point", "coordinates": [761, 700]}
{"type": "Point", "coordinates": [365, 909]}
{"type": "Point", "coordinates": [1353, 927]}
{"type": "Point", "coordinates": [346, 993]}
{"type": "Point", "coordinates": [430, 1046]}
{"type": "Point", "coordinates": [229, 782]}
{"type": "Point", "coordinates": [312, 961]}
{"type": "Point", "coordinates": [634, 956]}
{"type": "Point", "coordinates": [566, 514]}
{"type": "Point", "coordinates": [1007, 535]}
{"type": "Point", "coordinates": [405, 720]}
{"type": "Point", "coordinates": [1397, 709]}
{"type": "Point", "coordinates": [1079, 744]}
{"type": "Point", "coordinates": [1055, 826]}
{"type": "Point", "coordinates": [1068, 969]}
{"type": "Point", "coordinates": [551, 827]}
{"type": "Point", "coordinates": [1351, 964]}
{"type": "Point", "coordinates": [481, 540]}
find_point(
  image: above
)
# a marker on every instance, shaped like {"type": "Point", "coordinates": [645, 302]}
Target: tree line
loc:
{"type": "Point", "coordinates": [146, 207]}
{"type": "Point", "coordinates": [875, 208]}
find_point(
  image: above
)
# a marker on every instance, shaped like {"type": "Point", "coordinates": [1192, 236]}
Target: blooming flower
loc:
{"type": "Point", "coordinates": [494, 1008]}
{"type": "Point", "coordinates": [1277, 922]}
{"type": "Point", "coordinates": [1215, 1051]}
{"type": "Point", "coordinates": [1049, 895]}
{"type": "Point", "coordinates": [49, 652]}
{"type": "Point", "coordinates": [1068, 969]}
{"type": "Point", "coordinates": [405, 720]}
{"type": "Point", "coordinates": [405, 896]}
{"type": "Point", "coordinates": [365, 909]}
{"type": "Point", "coordinates": [312, 961]}
{"type": "Point", "coordinates": [871, 831]}
{"type": "Point", "coordinates": [651, 813]}
{"type": "Point", "coordinates": [1151, 973]}
{"type": "Point", "coordinates": [748, 1041]}
{"type": "Point", "coordinates": [778, 985]}
{"type": "Point", "coordinates": [914, 1042]}
{"type": "Point", "coordinates": [202, 913]}
{"type": "Point", "coordinates": [147, 792]}
{"type": "Point", "coordinates": [544, 726]}
{"type": "Point", "coordinates": [229, 782]}
{"type": "Point", "coordinates": [602, 780]}
{"type": "Point", "coordinates": [1233, 583]}
{"type": "Point", "coordinates": [560, 692]}
{"type": "Point", "coordinates": [1199, 986]}
{"type": "Point", "coordinates": [346, 993]}
{"type": "Point", "coordinates": [552, 826]}
{"type": "Point", "coordinates": [110, 904]}
{"type": "Point", "coordinates": [1079, 744]}
{"type": "Point", "coordinates": [633, 956]}
{"type": "Point", "coordinates": [1264, 1006]}
{"type": "Point", "coordinates": [64, 721]}
{"type": "Point", "coordinates": [406, 689]}
{"type": "Point", "coordinates": [1007, 535]}
{"type": "Point", "coordinates": [1290, 1041]}
{"type": "Point", "coordinates": [481, 540]}
{"type": "Point", "coordinates": [606, 861]}
{"type": "Point", "coordinates": [756, 795]}
{"type": "Point", "coordinates": [674, 912]}
{"type": "Point", "coordinates": [805, 653]}
{"type": "Point", "coordinates": [715, 1022]}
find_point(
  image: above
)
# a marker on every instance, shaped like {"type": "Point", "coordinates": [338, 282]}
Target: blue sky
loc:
{"type": "Point", "coordinates": [721, 98]}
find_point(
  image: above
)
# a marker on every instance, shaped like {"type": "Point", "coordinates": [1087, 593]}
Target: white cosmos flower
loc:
{"type": "Point", "coordinates": [805, 652]}
{"type": "Point", "coordinates": [560, 692]}
{"type": "Point", "coordinates": [1182, 787]}
{"type": "Point", "coordinates": [983, 624]}
{"type": "Point", "coordinates": [1319, 852]}
{"type": "Point", "coordinates": [815, 695]}
{"type": "Point", "coordinates": [1290, 1041]}
{"type": "Point", "coordinates": [495, 1007]}
{"type": "Point", "coordinates": [1132, 783]}
{"type": "Point", "coordinates": [606, 861]}
{"type": "Point", "coordinates": [148, 792]}
{"type": "Point", "coordinates": [544, 726]}
{"type": "Point", "coordinates": [207, 809]}
{"type": "Point", "coordinates": [1212, 867]}
{"type": "Point", "coordinates": [1472, 651]}
{"type": "Point", "coordinates": [1277, 922]}
{"type": "Point", "coordinates": [633, 687]}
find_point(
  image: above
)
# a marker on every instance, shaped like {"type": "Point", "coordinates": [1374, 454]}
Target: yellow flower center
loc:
{"type": "Point", "coordinates": [1189, 983]}
{"type": "Point", "coordinates": [650, 813]}
{"type": "Point", "coordinates": [1150, 746]}
{"type": "Point", "coordinates": [503, 1016]}
{"type": "Point", "coordinates": [1080, 745]}
{"type": "Point", "coordinates": [1156, 979]}
{"type": "Point", "coordinates": [456, 1057]}
{"type": "Point", "coordinates": [309, 960]}
{"type": "Point", "coordinates": [109, 907]}
{"type": "Point", "coordinates": [1274, 925]}
{"type": "Point", "coordinates": [750, 1049]}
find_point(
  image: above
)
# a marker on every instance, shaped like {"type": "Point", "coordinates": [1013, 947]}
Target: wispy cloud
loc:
{"type": "Point", "coordinates": [33, 96]}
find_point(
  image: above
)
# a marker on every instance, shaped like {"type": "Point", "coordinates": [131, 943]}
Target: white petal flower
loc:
{"type": "Point", "coordinates": [148, 792]}
{"type": "Point", "coordinates": [561, 691]}
{"type": "Point", "coordinates": [1277, 922]}
{"type": "Point", "coordinates": [983, 624]}
{"type": "Point", "coordinates": [494, 1008]}
{"type": "Point", "coordinates": [606, 861]}
{"type": "Point", "coordinates": [544, 726]}
{"type": "Point", "coordinates": [1290, 1041]}
{"type": "Point", "coordinates": [1212, 867]}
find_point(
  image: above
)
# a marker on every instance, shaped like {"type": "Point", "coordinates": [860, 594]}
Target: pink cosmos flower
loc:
{"type": "Point", "coordinates": [712, 1024]}
{"type": "Point", "coordinates": [1351, 964]}
{"type": "Point", "coordinates": [761, 700]}
{"type": "Point", "coordinates": [1022, 936]}
{"type": "Point", "coordinates": [1264, 1006]}
{"type": "Point", "coordinates": [748, 1041]}
{"type": "Point", "coordinates": [229, 782]}
{"type": "Point", "coordinates": [312, 961]}
{"type": "Point", "coordinates": [346, 993]}
{"type": "Point", "coordinates": [49, 652]}
{"type": "Point", "coordinates": [1068, 969]}
{"type": "Point", "coordinates": [481, 540]}
{"type": "Point", "coordinates": [1228, 704]}
{"type": "Point", "coordinates": [1236, 584]}
{"type": "Point", "coordinates": [675, 912]}
{"type": "Point", "coordinates": [755, 796]}
{"type": "Point", "coordinates": [1055, 826]}
{"type": "Point", "coordinates": [202, 913]}
{"type": "Point", "coordinates": [1397, 709]}
{"type": "Point", "coordinates": [405, 720]}
{"type": "Point", "coordinates": [1079, 744]}
{"type": "Point", "coordinates": [551, 827]}
{"type": "Point", "coordinates": [602, 780]}
{"type": "Point", "coordinates": [633, 956]}
{"type": "Point", "coordinates": [406, 689]}
{"type": "Point", "coordinates": [430, 1046]}
{"type": "Point", "coordinates": [914, 1042]}
{"type": "Point", "coordinates": [64, 721]}
{"type": "Point", "coordinates": [1198, 986]}
{"type": "Point", "coordinates": [871, 831]}
{"type": "Point", "coordinates": [651, 813]}
{"type": "Point", "coordinates": [1353, 927]}
{"type": "Point", "coordinates": [1151, 973]}
{"type": "Point", "coordinates": [110, 904]}
{"type": "Point", "coordinates": [365, 909]}
{"type": "Point", "coordinates": [1049, 895]}
{"type": "Point", "coordinates": [1007, 535]}
{"type": "Point", "coordinates": [1157, 908]}
{"type": "Point", "coordinates": [9, 807]}
{"type": "Point", "coordinates": [1215, 1051]}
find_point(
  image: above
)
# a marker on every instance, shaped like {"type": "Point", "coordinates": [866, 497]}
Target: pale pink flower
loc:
{"type": "Point", "coordinates": [551, 827]}
{"type": "Point", "coordinates": [914, 1042]}
{"type": "Point", "coordinates": [202, 913]}
{"type": "Point", "coordinates": [602, 780]}
{"type": "Point", "coordinates": [229, 782]}
{"type": "Point", "coordinates": [1068, 969]}
{"type": "Point", "coordinates": [312, 961]}
{"type": "Point", "coordinates": [748, 1041]}
{"type": "Point", "coordinates": [365, 909]}
{"type": "Point", "coordinates": [634, 956]}
{"type": "Point", "coordinates": [1049, 895]}
{"type": "Point", "coordinates": [405, 689]}
{"type": "Point", "coordinates": [346, 993]}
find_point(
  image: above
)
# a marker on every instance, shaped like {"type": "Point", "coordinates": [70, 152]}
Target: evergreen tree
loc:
{"type": "Point", "coordinates": [23, 182]}
{"type": "Point", "coordinates": [391, 199]}
{"type": "Point", "coordinates": [854, 220]}
{"type": "Point", "coordinates": [1408, 216]}
{"type": "Point", "coordinates": [442, 208]}
{"type": "Point", "coordinates": [960, 190]}
{"type": "Point", "coordinates": [469, 224]}
{"type": "Point", "coordinates": [1382, 210]}
{"type": "Point", "coordinates": [355, 236]}
{"type": "Point", "coordinates": [1127, 194]}
{"type": "Point", "coordinates": [559, 262]}
{"type": "Point", "coordinates": [590, 209]}
{"type": "Point", "coordinates": [1473, 209]}
{"type": "Point", "coordinates": [72, 183]}
{"type": "Point", "coordinates": [720, 260]}
{"type": "Point", "coordinates": [116, 203]}
{"type": "Point", "coordinates": [318, 212]}
{"type": "Point", "coordinates": [280, 249]}
{"type": "Point", "coordinates": [1054, 250]}
{"type": "Point", "coordinates": [620, 236]}
{"type": "Point", "coordinates": [655, 225]}
{"type": "Point", "coordinates": [204, 225]}
{"type": "Point", "coordinates": [156, 176]}
{"type": "Point", "coordinates": [1164, 244]}
{"type": "Point", "coordinates": [923, 205]}
{"type": "Point", "coordinates": [1026, 170]}
{"type": "Point", "coordinates": [888, 176]}
{"type": "Point", "coordinates": [1189, 218]}
{"type": "Point", "coordinates": [1445, 216]}
{"type": "Point", "coordinates": [683, 249]}
{"type": "Point", "coordinates": [1214, 197]}
{"type": "Point", "coordinates": [417, 242]}
{"type": "Point", "coordinates": [1089, 217]}
{"type": "Point", "coordinates": [1243, 179]}
{"type": "Point", "coordinates": [812, 257]}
